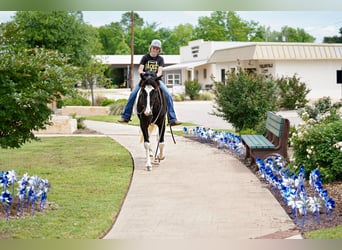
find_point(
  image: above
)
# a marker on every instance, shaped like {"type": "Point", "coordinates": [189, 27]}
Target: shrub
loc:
{"type": "Point", "coordinates": [99, 99]}
{"type": "Point", "coordinates": [74, 101]}
{"type": "Point", "coordinates": [192, 88]}
{"type": "Point", "coordinates": [244, 99]}
{"type": "Point", "coordinates": [317, 143]}
{"type": "Point", "coordinates": [178, 97]}
{"type": "Point", "coordinates": [79, 120]}
{"type": "Point", "coordinates": [205, 96]}
{"type": "Point", "coordinates": [292, 94]}
{"type": "Point", "coordinates": [319, 109]}
{"type": "Point", "coordinates": [107, 102]}
{"type": "Point", "coordinates": [117, 107]}
{"type": "Point", "coordinates": [317, 147]}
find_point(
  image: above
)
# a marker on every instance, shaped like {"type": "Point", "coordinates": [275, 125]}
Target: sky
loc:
{"type": "Point", "coordinates": [316, 23]}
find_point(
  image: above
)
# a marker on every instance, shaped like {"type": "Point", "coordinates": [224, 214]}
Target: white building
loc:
{"type": "Point", "coordinates": [315, 64]}
{"type": "Point", "coordinates": [122, 65]}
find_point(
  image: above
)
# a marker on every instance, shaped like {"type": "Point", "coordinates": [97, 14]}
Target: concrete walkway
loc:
{"type": "Point", "coordinates": [197, 192]}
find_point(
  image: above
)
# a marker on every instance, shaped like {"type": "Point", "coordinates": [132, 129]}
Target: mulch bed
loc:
{"type": "Point", "coordinates": [310, 223]}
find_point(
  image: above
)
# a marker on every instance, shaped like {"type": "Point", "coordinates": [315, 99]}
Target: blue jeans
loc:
{"type": "Point", "coordinates": [127, 113]}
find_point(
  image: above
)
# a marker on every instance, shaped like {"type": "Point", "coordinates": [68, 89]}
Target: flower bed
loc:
{"type": "Point", "coordinates": [294, 190]}
{"type": "Point", "coordinates": [222, 140]}
{"type": "Point", "coordinates": [31, 193]}
{"type": "Point", "coordinates": [307, 202]}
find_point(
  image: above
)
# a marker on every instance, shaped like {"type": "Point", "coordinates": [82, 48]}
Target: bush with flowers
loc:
{"type": "Point", "coordinates": [317, 144]}
{"type": "Point", "coordinates": [31, 193]}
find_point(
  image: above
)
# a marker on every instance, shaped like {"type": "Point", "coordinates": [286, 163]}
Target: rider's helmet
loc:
{"type": "Point", "coordinates": [156, 43]}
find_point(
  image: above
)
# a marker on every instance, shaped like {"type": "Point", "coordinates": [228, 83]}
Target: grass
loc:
{"type": "Point", "coordinates": [89, 178]}
{"type": "Point", "coordinates": [328, 233]}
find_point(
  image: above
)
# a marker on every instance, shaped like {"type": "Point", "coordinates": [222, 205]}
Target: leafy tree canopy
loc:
{"type": "Point", "coordinates": [29, 80]}
{"type": "Point", "coordinates": [57, 30]}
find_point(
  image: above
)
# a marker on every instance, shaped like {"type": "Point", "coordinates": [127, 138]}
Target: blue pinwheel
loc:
{"type": "Point", "coordinates": [11, 177]}
{"type": "Point", "coordinates": [6, 198]}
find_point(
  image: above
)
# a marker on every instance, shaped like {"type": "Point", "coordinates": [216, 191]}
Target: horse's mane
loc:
{"type": "Point", "coordinates": [149, 78]}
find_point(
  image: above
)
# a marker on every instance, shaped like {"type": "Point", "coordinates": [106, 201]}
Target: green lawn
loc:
{"type": "Point", "coordinates": [329, 233]}
{"type": "Point", "coordinates": [89, 178]}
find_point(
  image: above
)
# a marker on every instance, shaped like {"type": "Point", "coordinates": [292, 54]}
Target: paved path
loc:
{"type": "Point", "coordinates": [197, 192]}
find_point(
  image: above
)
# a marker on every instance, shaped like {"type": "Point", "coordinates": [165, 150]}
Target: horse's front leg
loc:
{"type": "Point", "coordinates": [148, 158]}
{"type": "Point", "coordinates": [147, 146]}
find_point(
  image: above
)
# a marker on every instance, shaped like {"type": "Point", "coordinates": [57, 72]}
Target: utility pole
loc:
{"type": "Point", "coordinates": [131, 78]}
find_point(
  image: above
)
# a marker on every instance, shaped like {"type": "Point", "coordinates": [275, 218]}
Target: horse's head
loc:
{"type": "Point", "coordinates": [149, 78]}
{"type": "Point", "coordinates": [149, 85]}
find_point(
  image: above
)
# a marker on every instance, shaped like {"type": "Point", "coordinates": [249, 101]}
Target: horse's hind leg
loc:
{"type": "Point", "coordinates": [148, 159]}
{"type": "Point", "coordinates": [161, 151]}
{"type": "Point", "coordinates": [161, 141]}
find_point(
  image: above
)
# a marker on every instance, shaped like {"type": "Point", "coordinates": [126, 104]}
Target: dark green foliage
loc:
{"type": "Point", "coordinates": [192, 89]}
{"type": "Point", "coordinates": [318, 142]}
{"type": "Point", "coordinates": [244, 99]}
{"type": "Point", "coordinates": [29, 80]}
{"type": "Point", "coordinates": [318, 148]}
{"type": "Point", "coordinates": [292, 94]}
{"type": "Point", "coordinates": [64, 31]}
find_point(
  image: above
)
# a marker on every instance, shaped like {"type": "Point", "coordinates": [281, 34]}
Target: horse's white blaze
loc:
{"type": "Point", "coordinates": [148, 110]}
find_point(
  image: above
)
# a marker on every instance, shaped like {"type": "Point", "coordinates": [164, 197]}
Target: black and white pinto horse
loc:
{"type": "Point", "coordinates": [151, 110]}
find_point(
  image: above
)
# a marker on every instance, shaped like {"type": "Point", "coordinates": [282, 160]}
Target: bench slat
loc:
{"type": "Point", "coordinates": [257, 141]}
{"type": "Point", "coordinates": [274, 124]}
{"type": "Point", "coordinates": [275, 142]}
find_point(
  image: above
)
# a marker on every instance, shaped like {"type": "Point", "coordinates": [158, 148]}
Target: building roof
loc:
{"type": "Point", "coordinates": [278, 51]}
{"type": "Point", "coordinates": [126, 59]}
{"type": "Point", "coordinates": [185, 65]}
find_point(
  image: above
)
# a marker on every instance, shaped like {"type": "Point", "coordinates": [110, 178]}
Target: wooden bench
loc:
{"type": "Point", "coordinates": [274, 142]}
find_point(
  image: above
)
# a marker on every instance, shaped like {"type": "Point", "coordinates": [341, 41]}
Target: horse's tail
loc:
{"type": "Point", "coordinates": [151, 128]}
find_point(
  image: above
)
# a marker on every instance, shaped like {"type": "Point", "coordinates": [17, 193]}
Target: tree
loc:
{"type": "Point", "coordinates": [181, 35]}
{"type": "Point", "coordinates": [288, 34]}
{"type": "Point", "coordinates": [244, 99]}
{"type": "Point", "coordinates": [58, 30]}
{"type": "Point", "coordinates": [29, 80]}
{"type": "Point", "coordinates": [111, 36]}
{"type": "Point", "coordinates": [210, 29]}
{"type": "Point", "coordinates": [227, 26]}
{"type": "Point", "coordinates": [334, 39]}
{"type": "Point", "coordinates": [94, 75]}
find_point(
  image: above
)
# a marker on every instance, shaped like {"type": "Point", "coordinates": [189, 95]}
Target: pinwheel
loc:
{"type": "Point", "coordinates": [292, 203]}
{"type": "Point", "coordinates": [7, 199]}
{"type": "Point", "coordinates": [29, 189]}
{"type": "Point", "coordinates": [330, 205]}
{"type": "Point", "coordinates": [315, 204]}
{"type": "Point", "coordinates": [45, 189]}
{"type": "Point", "coordinates": [222, 140]}
{"type": "Point", "coordinates": [315, 175]}
{"type": "Point", "coordinates": [3, 180]}
{"type": "Point", "coordinates": [12, 177]}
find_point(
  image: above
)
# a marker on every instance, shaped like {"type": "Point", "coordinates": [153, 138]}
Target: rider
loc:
{"type": "Point", "coordinates": [151, 61]}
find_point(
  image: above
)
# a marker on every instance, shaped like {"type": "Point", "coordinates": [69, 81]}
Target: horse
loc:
{"type": "Point", "coordinates": [151, 110]}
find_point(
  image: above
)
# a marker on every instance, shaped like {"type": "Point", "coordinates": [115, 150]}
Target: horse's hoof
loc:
{"type": "Point", "coordinates": [149, 168]}
{"type": "Point", "coordinates": [162, 158]}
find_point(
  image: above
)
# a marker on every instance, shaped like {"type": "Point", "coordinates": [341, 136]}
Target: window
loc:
{"type": "Point", "coordinates": [196, 75]}
{"type": "Point", "coordinates": [205, 73]}
{"type": "Point", "coordinates": [173, 79]}
{"type": "Point", "coordinates": [223, 75]}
